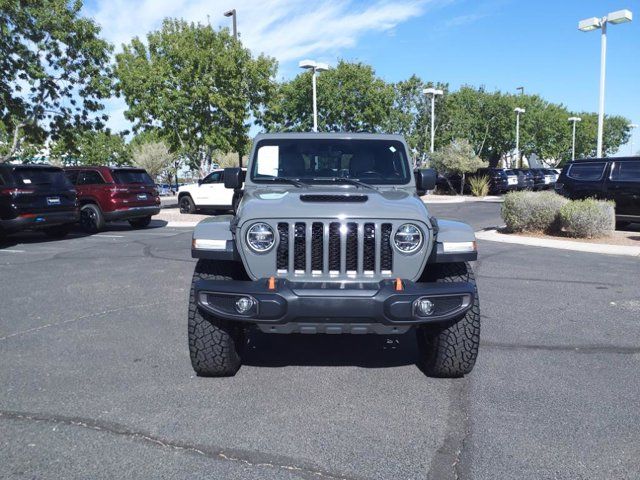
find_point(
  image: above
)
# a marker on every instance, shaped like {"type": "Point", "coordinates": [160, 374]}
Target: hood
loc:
{"type": "Point", "coordinates": [328, 203]}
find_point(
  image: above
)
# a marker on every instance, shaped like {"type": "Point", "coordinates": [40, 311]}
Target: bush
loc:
{"type": "Point", "coordinates": [588, 218]}
{"type": "Point", "coordinates": [479, 186]}
{"type": "Point", "coordinates": [532, 211]}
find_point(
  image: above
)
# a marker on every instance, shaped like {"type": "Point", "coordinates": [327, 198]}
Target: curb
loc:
{"type": "Point", "coordinates": [494, 236]}
{"type": "Point", "coordinates": [181, 224]}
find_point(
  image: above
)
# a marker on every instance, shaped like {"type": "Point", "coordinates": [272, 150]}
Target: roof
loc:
{"type": "Point", "coordinates": [329, 135]}
{"type": "Point", "coordinates": [28, 165]}
{"type": "Point", "coordinates": [605, 159]}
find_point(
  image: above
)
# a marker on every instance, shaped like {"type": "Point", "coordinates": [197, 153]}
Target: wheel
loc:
{"type": "Point", "coordinates": [187, 205]}
{"type": "Point", "coordinates": [91, 218]}
{"type": "Point", "coordinates": [450, 350]}
{"type": "Point", "coordinates": [140, 222]}
{"type": "Point", "coordinates": [215, 345]}
{"type": "Point", "coordinates": [60, 231]}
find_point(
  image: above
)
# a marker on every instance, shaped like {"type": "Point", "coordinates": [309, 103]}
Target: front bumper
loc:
{"type": "Point", "coordinates": [34, 221]}
{"type": "Point", "coordinates": [132, 212]}
{"type": "Point", "coordinates": [334, 307]}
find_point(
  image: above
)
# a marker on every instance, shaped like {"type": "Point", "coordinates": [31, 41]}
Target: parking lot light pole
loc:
{"type": "Point", "coordinates": [593, 23]}
{"type": "Point", "coordinates": [518, 111]}
{"type": "Point", "coordinates": [573, 136]}
{"type": "Point", "coordinates": [631, 127]}
{"type": "Point", "coordinates": [232, 13]}
{"type": "Point", "coordinates": [433, 92]}
{"type": "Point", "coordinates": [314, 67]}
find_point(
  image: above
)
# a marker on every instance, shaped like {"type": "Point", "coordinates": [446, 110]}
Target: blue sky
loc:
{"type": "Point", "coordinates": [501, 44]}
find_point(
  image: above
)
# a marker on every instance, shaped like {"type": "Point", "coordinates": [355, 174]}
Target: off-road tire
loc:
{"type": "Point", "coordinates": [59, 231]}
{"type": "Point", "coordinates": [451, 350]}
{"type": "Point", "coordinates": [215, 345]}
{"type": "Point", "coordinates": [186, 204]}
{"type": "Point", "coordinates": [142, 222]}
{"type": "Point", "coordinates": [91, 218]}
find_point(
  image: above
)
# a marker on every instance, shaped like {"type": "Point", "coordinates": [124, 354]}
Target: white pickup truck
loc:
{"type": "Point", "coordinates": [208, 194]}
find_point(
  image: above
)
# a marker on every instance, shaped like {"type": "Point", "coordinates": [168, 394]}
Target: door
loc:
{"type": "Point", "coordinates": [585, 179]}
{"type": "Point", "coordinates": [623, 187]}
{"type": "Point", "coordinates": [211, 191]}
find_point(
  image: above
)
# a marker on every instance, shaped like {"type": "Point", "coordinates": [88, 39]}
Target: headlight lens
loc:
{"type": "Point", "coordinates": [408, 238]}
{"type": "Point", "coordinates": [260, 237]}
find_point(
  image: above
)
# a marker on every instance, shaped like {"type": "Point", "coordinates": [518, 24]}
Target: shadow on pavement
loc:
{"type": "Point", "coordinates": [368, 351]}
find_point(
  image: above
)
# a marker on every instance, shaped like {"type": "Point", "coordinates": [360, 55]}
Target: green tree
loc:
{"type": "Point", "coordinates": [351, 98]}
{"type": "Point", "coordinates": [196, 87]}
{"type": "Point", "coordinates": [91, 148]}
{"type": "Point", "coordinates": [54, 70]}
{"type": "Point", "coordinates": [459, 158]}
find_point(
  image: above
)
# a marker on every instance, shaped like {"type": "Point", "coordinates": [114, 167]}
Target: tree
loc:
{"type": "Point", "coordinates": [196, 87]}
{"type": "Point", "coordinates": [91, 148]}
{"type": "Point", "coordinates": [351, 98]}
{"type": "Point", "coordinates": [54, 70]}
{"type": "Point", "coordinates": [154, 157]}
{"type": "Point", "coordinates": [459, 158]}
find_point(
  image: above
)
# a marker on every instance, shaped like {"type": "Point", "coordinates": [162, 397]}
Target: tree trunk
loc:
{"type": "Point", "coordinates": [462, 184]}
{"type": "Point", "coordinates": [14, 143]}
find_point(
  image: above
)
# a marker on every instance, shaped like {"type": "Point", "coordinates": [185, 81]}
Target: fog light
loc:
{"type": "Point", "coordinates": [424, 307]}
{"type": "Point", "coordinates": [244, 304]}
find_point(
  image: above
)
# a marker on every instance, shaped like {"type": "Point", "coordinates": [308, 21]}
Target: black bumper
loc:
{"type": "Point", "coordinates": [130, 213]}
{"type": "Point", "coordinates": [33, 221]}
{"type": "Point", "coordinates": [335, 307]}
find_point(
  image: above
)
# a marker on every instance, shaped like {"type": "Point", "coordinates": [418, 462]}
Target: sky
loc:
{"type": "Point", "coordinates": [501, 44]}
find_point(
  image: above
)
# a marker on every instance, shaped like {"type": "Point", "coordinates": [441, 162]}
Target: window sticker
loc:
{"type": "Point", "coordinates": [392, 148]}
{"type": "Point", "coordinates": [268, 160]}
{"type": "Point", "coordinates": [26, 180]}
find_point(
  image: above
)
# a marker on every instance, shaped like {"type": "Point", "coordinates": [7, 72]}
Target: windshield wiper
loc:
{"type": "Point", "coordinates": [292, 181]}
{"type": "Point", "coordinates": [351, 181]}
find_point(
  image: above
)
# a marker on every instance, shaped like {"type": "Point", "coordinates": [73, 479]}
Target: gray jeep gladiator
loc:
{"type": "Point", "coordinates": [330, 236]}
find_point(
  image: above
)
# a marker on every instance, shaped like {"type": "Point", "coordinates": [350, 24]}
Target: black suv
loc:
{"type": "Point", "coordinates": [616, 179]}
{"type": "Point", "coordinates": [36, 197]}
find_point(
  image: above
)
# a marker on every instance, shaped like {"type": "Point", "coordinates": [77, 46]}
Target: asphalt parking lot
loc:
{"type": "Point", "coordinates": [97, 381]}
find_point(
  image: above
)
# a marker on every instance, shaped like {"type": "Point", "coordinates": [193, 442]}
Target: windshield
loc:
{"type": "Point", "coordinates": [131, 176]}
{"type": "Point", "coordinates": [380, 162]}
{"type": "Point", "coordinates": [42, 176]}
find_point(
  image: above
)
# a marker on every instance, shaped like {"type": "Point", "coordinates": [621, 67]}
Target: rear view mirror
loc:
{"type": "Point", "coordinates": [425, 180]}
{"type": "Point", "coordinates": [233, 178]}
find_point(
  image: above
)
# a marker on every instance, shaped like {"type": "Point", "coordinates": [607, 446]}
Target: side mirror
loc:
{"type": "Point", "coordinates": [199, 181]}
{"type": "Point", "coordinates": [233, 178]}
{"type": "Point", "coordinates": [425, 180]}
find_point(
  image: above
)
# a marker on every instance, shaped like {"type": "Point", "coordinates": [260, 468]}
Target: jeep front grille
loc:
{"type": "Point", "coordinates": [334, 248]}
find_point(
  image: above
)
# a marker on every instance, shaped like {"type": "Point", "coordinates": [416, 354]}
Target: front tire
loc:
{"type": "Point", "coordinates": [451, 350]}
{"type": "Point", "coordinates": [186, 204]}
{"type": "Point", "coordinates": [215, 345]}
{"type": "Point", "coordinates": [140, 222]}
{"type": "Point", "coordinates": [91, 218]}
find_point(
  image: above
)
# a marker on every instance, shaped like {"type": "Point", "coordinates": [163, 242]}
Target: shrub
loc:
{"type": "Point", "coordinates": [588, 218]}
{"type": "Point", "coordinates": [532, 211]}
{"type": "Point", "coordinates": [479, 186]}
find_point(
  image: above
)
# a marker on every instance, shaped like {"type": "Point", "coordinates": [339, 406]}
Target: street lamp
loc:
{"type": "Point", "coordinates": [593, 23]}
{"type": "Point", "coordinates": [433, 92]}
{"type": "Point", "coordinates": [518, 111]}
{"type": "Point", "coordinates": [232, 13]}
{"type": "Point", "coordinates": [573, 136]}
{"type": "Point", "coordinates": [632, 126]}
{"type": "Point", "coordinates": [314, 67]}
{"type": "Point", "coordinates": [521, 89]}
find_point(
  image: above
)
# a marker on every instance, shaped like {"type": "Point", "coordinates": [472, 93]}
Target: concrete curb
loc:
{"type": "Point", "coordinates": [494, 236]}
{"type": "Point", "coordinates": [435, 199]}
{"type": "Point", "coordinates": [181, 224]}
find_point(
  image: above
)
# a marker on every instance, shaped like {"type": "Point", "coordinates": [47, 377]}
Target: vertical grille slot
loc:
{"type": "Point", "coordinates": [299, 254]}
{"type": "Point", "coordinates": [282, 255]}
{"type": "Point", "coordinates": [369, 247]}
{"type": "Point", "coordinates": [386, 254]}
{"type": "Point", "coordinates": [334, 247]}
{"type": "Point", "coordinates": [317, 246]}
{"type": "Point", "coordinates": [352, 247]}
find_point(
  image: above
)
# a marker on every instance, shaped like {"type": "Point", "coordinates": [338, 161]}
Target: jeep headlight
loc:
{"type": "Point", "coordinates": [408, 238]}
{"type": "Point", "coordinates": [260, 237]}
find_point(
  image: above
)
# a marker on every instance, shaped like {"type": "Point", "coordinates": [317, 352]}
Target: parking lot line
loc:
{"type": "Point", "coordinates": [107, 236]}
{"type": "Point", "coordinates": [12, 251]}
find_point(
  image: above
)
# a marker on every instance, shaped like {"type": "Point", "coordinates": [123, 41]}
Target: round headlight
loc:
{"type": "Point", "coordinates": [408, 238]}
{"type": "Point", "coordinates": [260, 237]}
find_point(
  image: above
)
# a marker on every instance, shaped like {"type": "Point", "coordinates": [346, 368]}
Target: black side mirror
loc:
{"type": "Point", "coordinates": [200, 181]}
{"type": "Point", "coordinates": [425, 180]}
{"type": "Point", "coordinates": [233, 178]}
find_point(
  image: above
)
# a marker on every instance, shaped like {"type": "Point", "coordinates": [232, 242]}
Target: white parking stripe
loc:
{"type": "Point", "coordinates": [107, 236]}
{"type": "Point", "coordinates": [12, 251]}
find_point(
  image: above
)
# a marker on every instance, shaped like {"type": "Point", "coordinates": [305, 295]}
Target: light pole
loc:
{"type": "Point", "coordinates": [521, 89]}
{"type": "Point", "coordinates": [593, 23]}
{"type": "Point", "coordinates": [573, 136]}
{"type": "Point", "coordinates": [518, 111]}
{"type": "Point", "coordinates": [232, 13]}
{"type": "Point", "coordinates": [632, 126]}
{"type": "Point", "coordinates": [433, 92]}
{"type": "Point", "coordinates": [314, 67]}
